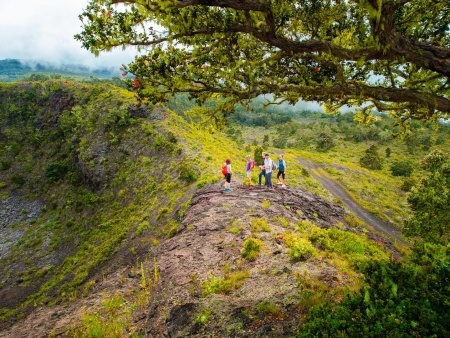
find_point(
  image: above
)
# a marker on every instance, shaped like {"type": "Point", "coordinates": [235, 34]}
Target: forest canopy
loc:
{"type": "Point", "coordinates": [394, 54]}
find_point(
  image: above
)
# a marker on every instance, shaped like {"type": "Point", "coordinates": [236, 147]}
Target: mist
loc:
{"type": "Point", "coordinates": [43, 31]}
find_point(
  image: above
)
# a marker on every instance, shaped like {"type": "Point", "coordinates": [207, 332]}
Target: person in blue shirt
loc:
{"type": "Point", "coordinates": [281, 171]}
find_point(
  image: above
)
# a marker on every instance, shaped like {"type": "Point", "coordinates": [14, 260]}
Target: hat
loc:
{"type": "Point", "coordinates": [266, 154]}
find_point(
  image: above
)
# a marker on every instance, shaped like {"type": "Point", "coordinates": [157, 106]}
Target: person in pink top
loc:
{"type": "Point", "coordinates": [248, 169]}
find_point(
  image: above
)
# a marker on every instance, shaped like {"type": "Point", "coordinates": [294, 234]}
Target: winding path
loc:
{"type": "Point", "coordinates": [338, 191]}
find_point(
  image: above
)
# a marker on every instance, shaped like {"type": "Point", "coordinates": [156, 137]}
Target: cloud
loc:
{"type": "Point", "coordinates": [44, 30]}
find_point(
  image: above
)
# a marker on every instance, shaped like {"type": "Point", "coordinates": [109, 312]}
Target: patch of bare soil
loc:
{"type": "Point", "coordinates": [204, 248]}
{"type": "Point", "coordinates": [338, 191]}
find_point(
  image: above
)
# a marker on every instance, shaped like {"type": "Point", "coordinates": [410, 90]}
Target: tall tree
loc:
{"type": "Point", "coordinates": [392, 53]}
{"type": "Point", "coordinates": [430, 201]}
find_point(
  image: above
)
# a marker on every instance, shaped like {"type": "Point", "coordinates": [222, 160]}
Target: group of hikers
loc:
{"type": "Point", "coordinates": [266, 168]}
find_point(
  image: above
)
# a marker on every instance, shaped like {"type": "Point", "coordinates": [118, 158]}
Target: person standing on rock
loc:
{"type": "Point", "coordinates": [281, 171]}
{"type": "Point", "coordinates": [268, 165]}
{"type": "Point", "coordinates": [249, 168]}
{"type": "Point", "coordinates": [228, 175]}
{"type": "Point", "coordinates": [262, 173]}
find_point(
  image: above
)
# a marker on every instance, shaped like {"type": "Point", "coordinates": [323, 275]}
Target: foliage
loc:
{"type": "Point", "coordinates": [257, 156]}
{"type": "Point", "coordinates": [17, 179]}
{"type": "Point", "coordinates": [231, 281]}
{"type": "Point", "coordinates": [251, 248]}
{"type": "Point", "coordinates": [408, 183]}
{"type": "Point", "coordinates": [400, 299]}
{"type": "Point", "coordinates": [402, 168]}
{"type": "Point", "coordinates": [311, 50]}
{"type": "Point", "coordinates": [324, 142]}
{"type": "Point", "coordinates": [371, 159]}
{"type": "Point", "coordinates": [430, 200]}
{"type": "Point", "coordinates": [299, 248]}
{"type": "Point", "coordinates": [55, 171]}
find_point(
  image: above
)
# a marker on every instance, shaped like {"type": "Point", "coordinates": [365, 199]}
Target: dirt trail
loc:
{"type": "Point", "coordinates": [336, 190]}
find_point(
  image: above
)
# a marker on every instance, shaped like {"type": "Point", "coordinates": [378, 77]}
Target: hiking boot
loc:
{"type": "Point", "coordinates": [279, 183]}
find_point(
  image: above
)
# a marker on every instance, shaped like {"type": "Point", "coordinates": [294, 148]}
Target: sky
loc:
{"type": "Point", "coordinates": [43, 30]}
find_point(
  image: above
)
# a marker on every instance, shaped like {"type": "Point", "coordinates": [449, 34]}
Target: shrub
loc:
{"type": "Point", "coordinates": [55, 171]}
{"type": "Point", "coordinates": [252, 247]}
{"type": "Point", "coordinates": [399, 300]}
{"type": "Point", "coordinates": [304, 172]}
{"type": "Point", "coordinates": [260, 224]}
{"type": "Point", "coordinates": [231, 281]}
{"type": "Point", "coordinates": [388, 152]}
{"type": "Point", "coordinates": [187, 172]}
{"type": "Point", "coordinates": [5, 165]}
{"type": "Point", "coordinates": [300, 248]}
{"type": "Point", "coordinates": [324, 142]}
{"type": "Point", "coordinates": [371, 159]}
{"type": "Point", "coordinates": [402, 168]}
{"type": "Point", "coordinates": [17, 179]}
{"type": "Point", "coordinates": [268, 308]}
{"type": "Point", "coordinates": [408, 184]}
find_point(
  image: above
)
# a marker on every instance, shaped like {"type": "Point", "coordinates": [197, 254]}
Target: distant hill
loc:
{"type": "Point", "coordinates": [14, 69]}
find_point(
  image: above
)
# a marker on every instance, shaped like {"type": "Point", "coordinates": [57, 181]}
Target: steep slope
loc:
{"type": "Point", "coordinates": [81, 177]}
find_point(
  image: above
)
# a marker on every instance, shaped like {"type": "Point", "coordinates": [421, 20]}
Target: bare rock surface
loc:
{"type": "Point", "coordinates": [15, 209]}
{"type": "Point", "coordinates": [206, 248]}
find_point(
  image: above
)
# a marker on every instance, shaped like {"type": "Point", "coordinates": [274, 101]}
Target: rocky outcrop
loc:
{"type": "Point", "coordinates": [206, 247]}
{"type": "Point", "coordinates": [12, 210]}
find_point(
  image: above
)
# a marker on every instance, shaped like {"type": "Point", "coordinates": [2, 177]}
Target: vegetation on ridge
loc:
{"type": "Point", "coordinates": [391, 55]}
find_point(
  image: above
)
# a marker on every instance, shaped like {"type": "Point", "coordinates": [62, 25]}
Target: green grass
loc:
{"type": "Point", "coordinates": [251, 248]}
{"type": "Point", "coordinates": [231, 281]}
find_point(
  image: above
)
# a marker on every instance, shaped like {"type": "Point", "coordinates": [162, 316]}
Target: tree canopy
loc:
{"type": "Point", "coordinates": [394, 54]}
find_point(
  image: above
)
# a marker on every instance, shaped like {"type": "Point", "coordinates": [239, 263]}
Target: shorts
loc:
{"type": "Point", "coordinates": [249, 173]}
{"type": "Point", "coordinates": [228, 178]}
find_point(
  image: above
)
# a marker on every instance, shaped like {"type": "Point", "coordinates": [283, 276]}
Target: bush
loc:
{"type": "Point", "coordinates": [399, 300]}
{"type": "Point", "coordinates": [408, 184]}
{"type": "Point", "coordinates": [300, 248]}
{"type": "Point", "coordinates": [230, 282]}
{"type": "Point", "coordinates": [402, 168]}
{"type": "Point", "coordinates": [371, 159]}
{"type": "Point", "coordinates": [324, 142]}
{"type": "Point", "coordinates": [252, 247]}
{"type": "Point", "coordinates": [5, 165]}
{"type": "Point", "coordinates": [55, 171]}
{"type": "Point", "coordinates": [17, 179]}
{"type": "Point", "coordinates": [187, 172]}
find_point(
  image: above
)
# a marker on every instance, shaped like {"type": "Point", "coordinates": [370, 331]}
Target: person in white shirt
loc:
{"type": "Point", "coordinates": [268, 163]}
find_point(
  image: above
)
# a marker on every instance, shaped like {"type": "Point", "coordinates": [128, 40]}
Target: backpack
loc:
{"type": "Point", "coordinates": [252, 164]}
{"type": "Point", "coordinates": [224, 169]}
{"type": "Point", "coordinates": [274, 166]}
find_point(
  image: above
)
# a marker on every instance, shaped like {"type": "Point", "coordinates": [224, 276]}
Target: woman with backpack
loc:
{"type": "Point", "coordinates": [226, 171]}
{"type": "Point", "coordinates": [281, 171]}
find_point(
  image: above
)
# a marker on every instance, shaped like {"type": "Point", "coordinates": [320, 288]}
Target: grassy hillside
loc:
{"type": "Point", "coordinates": [377, 190]}
{"type": "Point", "coordinates": [104, 170]}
